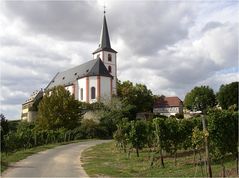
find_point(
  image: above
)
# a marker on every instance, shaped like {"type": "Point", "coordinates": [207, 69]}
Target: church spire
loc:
{"type": "Point", "coordinates": [104, 44]}
{"type": "Point", "coordinates": [104, 37]}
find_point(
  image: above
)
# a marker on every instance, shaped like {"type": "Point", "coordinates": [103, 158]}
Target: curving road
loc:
{"type": "Point", "coordinates": [62, 161]}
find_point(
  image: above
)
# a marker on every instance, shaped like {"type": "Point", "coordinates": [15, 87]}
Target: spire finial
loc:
{"type": "Point", "coordinates": [104, 8]}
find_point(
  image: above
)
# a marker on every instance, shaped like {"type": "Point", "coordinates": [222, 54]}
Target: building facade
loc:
{"type": "Point", "coordinates": [168, 106]}
{"type": "Point", "coordinates": [29, 107]}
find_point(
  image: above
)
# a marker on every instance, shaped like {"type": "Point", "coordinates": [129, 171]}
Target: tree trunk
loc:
{"type": "Point", "coordinates": [194, 157]}
{"type": "Point", "coordinates": [128, 154]}
{"type": "Point", "coordinates": [200, 162]}
{"type": "Point", "coordinates": [35, 139]}
{"type": "Point", "coordinates": [175, 158]}
{"type": "Point", "coordinates": [223, 168]}
{"type": "Point", "coordinates": [161, 157]}
{"type": "Point", "coordinates": [137, 151]}
{"type": "Point", "coordinates": [237, 164]}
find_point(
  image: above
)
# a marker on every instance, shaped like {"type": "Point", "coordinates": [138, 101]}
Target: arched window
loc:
{"type": "Point", "coordinates": [92, 92]}
{"type": "Point", "coordinates": [109, 69]}
{"type": "Point", "coordinates": [109, 57]}
{"type": "Point", "coordinates": [81, 93]}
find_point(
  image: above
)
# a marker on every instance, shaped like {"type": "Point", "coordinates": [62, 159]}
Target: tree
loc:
{"type": "Point", "coordinates": [200, 98]}
{"type": "Point", "coordinates": [136, 95]}
{"type": "Point", "coordinates": [4, 130]}
{"type": "Point", "coordinates": [138, 134]}
{"type": "Point", "coordinates": [159, 132]}
{"type": "Point", "coordinates": [228, 95]}
{"type": "Point", "coordinates": [223, 134]}
{"type": "Point", "coordinates": [122, 133]}
{"type": "Point", "coordinates": [58, 109]}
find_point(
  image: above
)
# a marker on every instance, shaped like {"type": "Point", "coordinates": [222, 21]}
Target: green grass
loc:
{"type": "Point", "coordinates": [106, 160]}
{"type": "Point", "coordinates": [6, 160]}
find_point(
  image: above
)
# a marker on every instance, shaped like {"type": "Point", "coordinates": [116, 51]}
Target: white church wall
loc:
{"type": "Point", "coordinates": [105, 87]}
{"type": "Point", "coordinates": [82, 85]}
{"type": "Point", "coordinates": [92, 83]}
{"type": "Point", "coordinates": [70, 89]}
{"type": "Point", "coordinates": [113, 63]}
{"type": "Point", "coordinates": [98, 54]}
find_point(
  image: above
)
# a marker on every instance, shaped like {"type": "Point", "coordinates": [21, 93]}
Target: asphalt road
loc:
{"type": "Point", "coordinates": [62, 161]}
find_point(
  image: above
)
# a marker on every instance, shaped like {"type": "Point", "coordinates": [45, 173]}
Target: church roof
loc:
{"type": "Point", "coordinates": [104, 39]}
{"type": "Point", "coordinates": [91, 68]}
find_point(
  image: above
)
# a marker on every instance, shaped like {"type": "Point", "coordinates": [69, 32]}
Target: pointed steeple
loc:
{"type": "Point", "coordinates": [104, 38]}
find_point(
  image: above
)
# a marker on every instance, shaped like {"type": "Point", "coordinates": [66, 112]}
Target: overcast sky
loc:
{"type": "Point", "coordinates": [170, 46]}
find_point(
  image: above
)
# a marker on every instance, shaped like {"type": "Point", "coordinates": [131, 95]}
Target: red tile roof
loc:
{"type": "Point", "coordinates": [167, 102]}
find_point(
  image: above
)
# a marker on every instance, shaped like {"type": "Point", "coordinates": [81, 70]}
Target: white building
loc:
{"type": "Point", "coordinates": [88, 82]}
{"type": "Point", "coordinates": [95, 79]}
{"type": "Point", "coordinates": [168, 106]}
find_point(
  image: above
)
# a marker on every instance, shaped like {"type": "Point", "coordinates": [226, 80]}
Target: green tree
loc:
{"type": "Point", "coordinates": [138, 134]}
{"type": "Point", "coordinates": [200, 98]}
{"type": "Point", "coordinates": [122, 133]}
{"type": "Point", "coordinates": [58, 109]}
{"type": "Point", "coordinates": [228, 95]}
{"type": "Point", "coordinates": [223, 134]}
{"type": "Point", "coordinates": [136, 95]}
{"type": "Point", "coordinates": [174, 137]}
{"type": "Point", "coordinates": [4, 128]}
{"type": "Point", "coordinates": [159, 132]}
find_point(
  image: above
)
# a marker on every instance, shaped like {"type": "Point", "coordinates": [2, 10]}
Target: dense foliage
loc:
{"type": "Point", "coordinates": [200, 99]}
{"type": "Point", "coordinates": [136, 95]}
{"type": "Point", "coordinates": [169, 135]}
{"type": "Point", "coordinates": [58, 109]}
{"type": "Point", "coordinates": [228, 95]}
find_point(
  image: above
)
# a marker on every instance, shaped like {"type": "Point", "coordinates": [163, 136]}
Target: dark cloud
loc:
{"type": "Point", "coordinates": [74, 20]}
{"type": "Point", "coordinates": [211, 25]}
{"type": "Point", "coordinates": [148, 26]}
{"type": "Point", "coordinates": [169, 46]}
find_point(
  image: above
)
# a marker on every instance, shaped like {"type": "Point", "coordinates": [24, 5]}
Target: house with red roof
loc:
{"type": "Point", "coordinates": [168, 106]}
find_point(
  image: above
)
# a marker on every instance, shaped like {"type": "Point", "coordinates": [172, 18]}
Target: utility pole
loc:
{"type": "Point", "coordinates": [209, 169]}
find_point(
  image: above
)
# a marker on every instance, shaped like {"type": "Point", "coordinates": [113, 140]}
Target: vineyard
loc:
{"type": "Point", "coordinates": [161, 137]}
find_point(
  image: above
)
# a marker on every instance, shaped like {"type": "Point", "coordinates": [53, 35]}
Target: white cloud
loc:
{"type": "Point", "coordinates": [169, 46]}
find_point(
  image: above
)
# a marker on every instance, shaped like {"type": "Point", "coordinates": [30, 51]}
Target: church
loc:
{"type": "Point", "coordinates": [89, 82]}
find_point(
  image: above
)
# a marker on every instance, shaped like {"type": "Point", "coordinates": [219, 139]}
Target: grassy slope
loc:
{"type": "Point", "coordinates": [22, 154]}
{"type": "Point", "coordinates": [106, 160]}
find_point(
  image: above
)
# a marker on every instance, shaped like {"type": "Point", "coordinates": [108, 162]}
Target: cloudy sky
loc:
{"type": "Point", "coordinates": [171, 46]}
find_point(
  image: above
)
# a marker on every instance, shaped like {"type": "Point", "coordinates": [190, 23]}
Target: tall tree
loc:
{"type": "Point", "coordinates": [200, 98]}
{"type": "Point", "coordinates": [136, 95]}
{"type": "Point", "coordinates": [58, 109]}
{"type": "Point", "coordinates": [228, 95]}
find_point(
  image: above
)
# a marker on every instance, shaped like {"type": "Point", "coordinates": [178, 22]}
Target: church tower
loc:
{"type": "Point", "coordinates": [107, 54]}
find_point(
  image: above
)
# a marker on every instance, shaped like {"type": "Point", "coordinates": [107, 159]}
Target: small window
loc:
{"type": "Point", "coordinates": [63, 78]}
{"type": "Point", "coordinates": [75, 73]}
{"type": "Point", "coordinates": [92, 92]}
{"type": "Point", "coordinates": [98, 55]}
{"type": "Point", "coordinates": [81, 93]}
{"type": "Point", "coordinates": [109, 69]}
{"type": "Point", "coordinates": [109, 57]}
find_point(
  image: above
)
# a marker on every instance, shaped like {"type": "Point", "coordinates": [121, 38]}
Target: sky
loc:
{"type": "Point", "coordinates": [170, 46]}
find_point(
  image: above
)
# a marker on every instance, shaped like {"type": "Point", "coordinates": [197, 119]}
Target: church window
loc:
{"type": "Point", "coordinates": [92, 92]}
{"type": "Point", "coordinates": [109, 57]}
{"type": "Point", "coordinates": [81, 93]}
{"type": "Point", "coordinates": [109, 69]}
